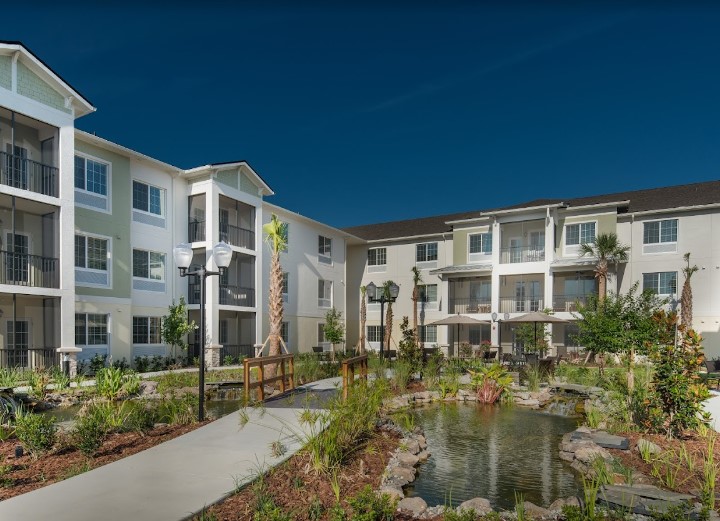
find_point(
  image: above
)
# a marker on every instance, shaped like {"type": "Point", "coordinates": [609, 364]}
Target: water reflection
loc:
{"type": "Point", "coordinates": [491, 452]}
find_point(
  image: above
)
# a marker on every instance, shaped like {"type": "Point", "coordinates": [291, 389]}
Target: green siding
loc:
{"type": "Point", "coordinates": [6, 72]}
{"type": "Point", "coordinates": [460, 242]}
{"type": "Point", "coordinates": [247, 186]}
{"type": "Point", "coordinates": [29, 84]}
{"type": "Point", "coordinates": [228, 178]}
{"type": "Point", "coordinates": [606, 223]}
{"type": "Point", "coordinates": [116, 224]}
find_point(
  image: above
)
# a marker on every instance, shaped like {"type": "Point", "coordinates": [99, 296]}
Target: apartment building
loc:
{"type": "Point", "coordinates": [496, 264]}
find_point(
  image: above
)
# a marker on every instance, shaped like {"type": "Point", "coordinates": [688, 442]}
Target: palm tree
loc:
{"type": "Point", "coordinates": [276, 237]}
{"type": "Point", "coordinates": [686, 298]}
{"type": "Point", "coordinates": [388, 313]}
{"type": "Point", "coordinates": [363, 319]}
{"type": "Point", "coordinates": [417, 279]}
{"type": "Point", "coordinates": [608, 250]}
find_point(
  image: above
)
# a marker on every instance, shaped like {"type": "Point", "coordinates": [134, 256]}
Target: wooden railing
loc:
{"type": "Point", "coordinates": [348, 372]}
{"type": "Point", "coordinates": [285, 367]}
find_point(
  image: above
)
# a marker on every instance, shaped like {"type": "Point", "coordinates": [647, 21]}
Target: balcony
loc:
{"type": "Point", "coordinates": [33, 358]}
{"type": "Point", "coordinates": [469, 305]}
{"type": "Point", "coordinates": [569, 303]}
{"type": "Point", "coordinates": [517, 254]}
{"type": "Point", "coordinates": [26, 174]}
{"type": "Point", "coordinates": [22, 269]}
{"type": "Point", "coordinates": [196, 231]}
{"type": "Point", "coordinates": [236, 236]}
{"type": "Point", "coordinates": [229, 295]}
{"type": "Point", "coordinates": [521, 304]}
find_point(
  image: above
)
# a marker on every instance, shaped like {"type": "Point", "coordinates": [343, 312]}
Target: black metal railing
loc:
{"type": "Point", "coordinates": [32, 358]}
{"type": "Point", "coordinates": [569, 302]}
{"type": "Point", "coordinates": [236, 351]}
{"type": "Point", "coordinates": [196, 231]}
{"type": "Point", "coordinates": [469, 305]}
{"type": "Point", "coordinates": [22, 269]}
{"type": "Point", "coordinates": [521, 304]}
{"type": "Point", "coordinates": [522, 254]}
{"type": "Point", "coordinates": [236, 296]}
{"type": "Point", "coordinates": [193, 292]}
{"type": "Point", "coordinates": [236, 236]}
{"type": "Point", "coordinates": [27, 174]}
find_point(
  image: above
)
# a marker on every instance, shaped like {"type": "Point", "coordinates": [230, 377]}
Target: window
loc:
{"type": "Point", "coordinates": [662, 283]}
{"type": "Point", "coordinates": [91, 176]}
{"type": "Point", "coordinates": [285, 286]}
{"type": "Point", "coordinates": [377, 256]}
{"type": "Point", "coordinates": [657, 232]}
{"type": "Point", "coordinates": [324, 248]}
{"type": "Point", "coordinates": [479, 245]}
{"type": "Point", "coordinates": [321, 333]}
{"type": "Point", "coordinates": [148, 198]}
{"type": "Point", "coordinates": [581, 233]}
{"type": "Point", "coordinates": [324, 293]}
{"type": "Point", "coordinates": [91, 252]}
{"type": "Point", "coordinates": [146, 330]}
{"type": "Point", "coordinates": [426, 252]}
{"type": "Point", "coordinates": [428, 292]}
{"type": "Point", "coordinates": [224, 328]}
{"type": "Point", "coordinates": [374, 334]}
{"type": "Point", "coordinates": [428, 334]}
{"type": "Point", "coordinates": [285, 332]}
{"type": "Point", "coordinates": [91, 329]}
{"type": "Point", "coordinates": [148, 265]}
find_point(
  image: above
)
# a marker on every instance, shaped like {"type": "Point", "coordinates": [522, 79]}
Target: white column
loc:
{"type": "Point", "coordinates": [66, 241]}
{"type": "Point", "coordinates": [212, 233]}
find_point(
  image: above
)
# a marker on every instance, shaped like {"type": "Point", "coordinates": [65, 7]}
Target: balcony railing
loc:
{"type": "Point", "coordinates": [469, 305]}
{"type": "Point", "coordinates": [196, 231]}
{"type": "Point", "coordinates": [521, 305]}
{"type": "Point", "coordinates": [29, 175]}
{"type": "Point", "coordinates": [568, 303]}
{"type": "Point", "coordinates": [522, 254]}
{"type": "Point", "coordinates": [32, 358]}
{"type": "Point", "coordinates": [236, 236]}
{"type": "Point", "coordinates": [236, 351]}
{"type": "Point", "coordinates": [229, 295]}
{"type": "Point", "coordinates": [22, 269]}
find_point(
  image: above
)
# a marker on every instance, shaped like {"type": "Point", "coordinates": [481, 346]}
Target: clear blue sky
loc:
{"type": "Point", "coordinates": [372, 113]}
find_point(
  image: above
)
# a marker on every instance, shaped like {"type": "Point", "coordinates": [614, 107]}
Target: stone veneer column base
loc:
{"type": "Point", "coordinates": [212, 355]}
{"type": "Point", "coordinates": [71, 353]}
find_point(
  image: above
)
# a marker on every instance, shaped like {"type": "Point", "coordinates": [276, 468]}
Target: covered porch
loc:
{"type": "Point", "coordinates": [29, 331]}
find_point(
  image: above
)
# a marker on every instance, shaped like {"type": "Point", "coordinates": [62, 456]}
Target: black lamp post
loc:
{"type": "Point", "coordinates": [373, 296]}
{"type": "Point", "coordinates": [183, 254]}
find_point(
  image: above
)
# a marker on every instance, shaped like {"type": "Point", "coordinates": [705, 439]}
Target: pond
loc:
{"type": "Point", "coordinates": [492, 452]}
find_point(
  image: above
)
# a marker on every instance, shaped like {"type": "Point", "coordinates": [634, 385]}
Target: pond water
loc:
{"type": "Point", "coordinates": [492, 452]}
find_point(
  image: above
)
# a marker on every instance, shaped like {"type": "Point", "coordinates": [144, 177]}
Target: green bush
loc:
{"type": "Point", "coordinates": [37, 433]}
{"type": "Point", "coordinates": [88, 434]}
{"type": "Point", "coordinates": [97, 362]}
{"type": "Point", "coordinates": [141, 364]}
{"type": "Point", "coordinates": [109, 382]}
{"type": "Point", "coordinates": [178, 410]}
{"type": "Point", "coordinates": [402, 373]}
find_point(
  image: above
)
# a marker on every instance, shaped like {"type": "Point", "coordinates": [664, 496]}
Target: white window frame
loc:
{"type": "Point", "coordinates": [163, 199]}
{"type": "Point", "coordinates": [321, 336]}
{"type": "Point", "coordinates": [285, 333]}
{"type": "Point", "coordinates": [426, 263]}
{"type": "Point", "coordinates": [574, 249]}
{"type": "Point", "coordinates": [164, 270]}
{"type": "Point", "coordinates": [108, 271]}
{"type": "Point", "coordinates": [148, 343]}
{"type": "Point", "coordinates": [660, 247]}
{"type": "Point", "coordinates": [429, 304]}
{"type": "Point", "coordinates": [377, 268]}
{"type": "Point", "coordinates": [481, 255]}
{"type": "Point", "coordinates": [87, 336]}
{"type": "Point", "coordinates": [108, 196]}
{"type": "Point", "coordinates": [323, 301]}
{"type": "Point", "coordinates": [657, 274]}
{"type": "Point", "coordinates": [286, 286]}
{"type": "Point", "coordinates": [423, 331]}
{"type": "Point", "coordinates": [373, 344]}
{"type": "Point", "coordinates": [325, 258]}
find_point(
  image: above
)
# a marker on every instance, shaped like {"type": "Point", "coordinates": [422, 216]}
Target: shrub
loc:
{"type": "Point", "coordinates": [369, 506]}
{"type": "Point", "coordinates": [39, 381]}
{"type": "Point", "coordinates": [465, 350]}
{"type": "Point", "coordinates": [402, 373]}
{"type": "Point", "coordinates": [491, 382]}
{"type": "Point", "coordinates": [60, 379]}
{"type": "Point", "coordinates": [96, 363]}
{"type": "Point", "coordinates": [109, 382]}
{"type": "Point", "coordinates": [88, 434]}
{"type": "Point", "coordinates": [37, 433]}
{"type": "Point", "coordinates": [121, 364]}
{"type": "Point", "coordinates": [141, 364]}
{"type": "Point", "coordinates": [228, 360]}
{"type": "Point", "coordinates": [408, 351]}
{"type": "Point", "coordinates": [178, 410]}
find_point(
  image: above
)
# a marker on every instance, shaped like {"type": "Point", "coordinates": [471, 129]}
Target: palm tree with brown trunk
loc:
{"type": "Point", "coordinates": [417, 279]}
{"type": "Point", "coordinates": [363, 319]}
{"type": "Point", "coordinates": [388, 313]}
{"type": "Point", "coordinates": [276, 237]}
{"type": "Point", "coordinates": [686, 298]}
{"type": "Point", "coordinates": [608, 250]}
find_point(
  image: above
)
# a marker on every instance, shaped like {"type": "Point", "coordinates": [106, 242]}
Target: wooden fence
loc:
{"type": "Point", "coordinates": [285, 374]}
{"type": "Point", "coordinates": [348, 372]}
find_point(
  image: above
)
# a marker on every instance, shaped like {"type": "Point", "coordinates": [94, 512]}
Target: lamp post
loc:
{"type": "Point", "coordinates": [372, 294]}
{"type": "Point", "coordinates": [183, 254]}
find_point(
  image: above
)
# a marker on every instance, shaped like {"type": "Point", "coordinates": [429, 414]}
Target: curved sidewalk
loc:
{"type": "Point", "coordinates": [173, 480]}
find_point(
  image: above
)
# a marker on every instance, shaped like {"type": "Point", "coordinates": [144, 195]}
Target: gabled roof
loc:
{"type": "Point", "coordinates": [81, 104]}
{"type": "Point", "coordinates": [217, 167]}
{"type": "Point", "coordinates": [653, 199]}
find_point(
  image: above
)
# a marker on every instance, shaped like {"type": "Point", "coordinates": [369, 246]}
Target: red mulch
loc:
{"type": "Point", "coordinates": [294, 486]}
{"type": "Point", "coordinates": [29, 474]}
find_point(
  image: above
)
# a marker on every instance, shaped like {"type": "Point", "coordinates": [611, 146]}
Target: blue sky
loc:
{"type": "Point", "coordinates": [375, 112]}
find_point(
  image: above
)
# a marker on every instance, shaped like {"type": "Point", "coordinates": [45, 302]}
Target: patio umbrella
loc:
{"type": "Point", "coordinates": [457, 320]}
{"type": "Point", "coordinates": [536, 317]}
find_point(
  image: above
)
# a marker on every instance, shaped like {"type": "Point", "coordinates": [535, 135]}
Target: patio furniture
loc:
{"type": "Point", "coordinates": [507, 359]}
{"type": "Point", "coordinates": [489, 355]}
{"type": "Point", "coordinates": [713, 373]}
{"type": "Point", "coordinates": [392, 354]}
{"type": "Point", "coordinates": [531, 359]}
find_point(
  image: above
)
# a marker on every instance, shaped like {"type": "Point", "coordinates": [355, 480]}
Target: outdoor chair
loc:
{"type": "Point", "coordinates": [531, 359]}
{"type": "Point", "coordinates": [507, 359]}
{"type": "Point", "coordinates": [489, 356]}
{"type": "Point", "coordinates": [392, 354]}
{"type": "Point", "coordinates": [713, 373]}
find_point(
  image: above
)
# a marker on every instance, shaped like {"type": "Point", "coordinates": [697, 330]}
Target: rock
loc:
{"type": "Point", "coordinates": [423, 456]}
{"type": "Point", "coordinates": [480, 505]}
{"type": "Point", "coordinates": [609, 441]}
{"type": "Point", "coordinates": [648, 447]}
{"type": "Point", "coordinates": [530, 402]}
{"type": "Point", "coordinates": [404, 473]}
{"type": "Point", "coordinates": [464, 393]}
{"type": "Point", "coordinates": [558, 504]}
{"type": "Point", "coordinates": [407, 460]}
{"type": "Point", "coordinates": [393, 492]}
{"type": "Point", "coordinates": [642, 499]}
{"type": "Point", "coordinates": [411, 445]}
{"type": "Point", "coordinates": [421, 441]}
{"type": "Point", "coordinates": [398, 402]}
{"type": "Point", "coordinates": [583, 429]}
{"type": "Point", "coordinates": [586, 455]}
{"type": "Point", "coordinates": [147, 387]}
{"type": "Point", "coordinates": [536, 512]}
{"type": "Point", "coordinates": [433, 512]}
{"type": "Point", "coordinates": [567, 456]}
{"type": "Point", "coordinates": [414, 505]}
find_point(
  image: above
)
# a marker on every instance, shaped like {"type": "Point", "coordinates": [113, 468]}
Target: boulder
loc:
{"type": "Point", "coordinates": [586, 455]}
{"type": "Point", "coordinates": [480, 505]}
{"type": "Point", "coordinates": [407, 460]}
{"type": "Point", "coordinates": [411, 445]}
{"type": "Point", "coordinates": [421, 441]}
{"type": "Point", "coordinates": [414, 505]}
{"type": "Point", "coordinates": [393, 492]}
{"type": "Point", "coordinates": [423, 456]}
{"type": "Point", "coordinates": [558, 504]}
{"type": "Point", "coordinates": [647, 446]}
{"type": "Point", "coordinates": [147, 387]}
{"type": "Point", "coordinates": [403, 473]}
{"type": "Point", "coordinates": [536, 512]}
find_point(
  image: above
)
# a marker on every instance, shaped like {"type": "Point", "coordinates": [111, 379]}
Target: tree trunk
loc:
{"type": "Point", "coordinates": [686, 305]}
{"type": "Point", "coordinates": [275, 309]}
{"type": "Point", "coordinates": [602, 274]}
{"type": "Point", "coordinates": [631, 372]}
{"type": "Point", "coordinates": [415, 315]}
{"type": "Point", "coordinates": [388, 325]}
{"type": "Point", "coordinates": [363, 320]}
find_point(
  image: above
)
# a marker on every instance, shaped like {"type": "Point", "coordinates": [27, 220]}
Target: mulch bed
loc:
{"type": "Point", "coordinates": [29, 474]}
{"type": "Point", "coordinates": [295, 487]}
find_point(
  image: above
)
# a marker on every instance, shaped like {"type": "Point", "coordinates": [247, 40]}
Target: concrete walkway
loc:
{"type": "Point", "coordinates": [175, 479]}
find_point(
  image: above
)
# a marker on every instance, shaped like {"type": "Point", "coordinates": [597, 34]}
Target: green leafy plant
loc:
{"type": "Point", "coordinates": [175, 326]}
{"type": "Point", "coordinates": [11, 376]}
{"type": "Point", "coordinates": [60, 379]}
{"type": "Point", "coordinates": [96, 363]}
{"type": "Point", "coordinates": [142, 364]}
{"type": "Point", "coordinates": [88, 434]}
{"type": "Point", "coordinates": [491, 382]}
{"type": "Point", "coordinates": [334, 329]}
{"type": "Point", "coordinates": [520, 513]}
{"type": "Point", "coordinates": [402, 373]}
{"type": "Point", "coordinates": [366, 505]}
{"type": "Point", "coordinates": [39, 381]}
{"type": "Point", "coordinates": [109, 382]}
{"type": "Point", "coordinates": [36, 432]}
{"type": "Point", "coordinates": [533, 376]}
{"type": "Point", "coordinates": [409, 351]}
{"type": "Point", "coordinates": [228, 360]}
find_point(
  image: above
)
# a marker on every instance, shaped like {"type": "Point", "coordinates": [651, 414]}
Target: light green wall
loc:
{"type": "Point", "coordinates": [30, 85]}
{"type": "Point", "coordinates": [460, 242]}
{"type": "Point", "coordinates": [228, 178]}
{"type": "Point", "coordinates": [115, 224]}
{"type": "Point", "coordinates": [247, 186]}
{"type": "Point", "coordinates": [606, 223]}
{"type": "Point", "coordinates": [6, 72]}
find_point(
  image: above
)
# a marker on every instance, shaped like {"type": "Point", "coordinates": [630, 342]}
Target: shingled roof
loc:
{"type": "Point", "coordinates": [696, 194]}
